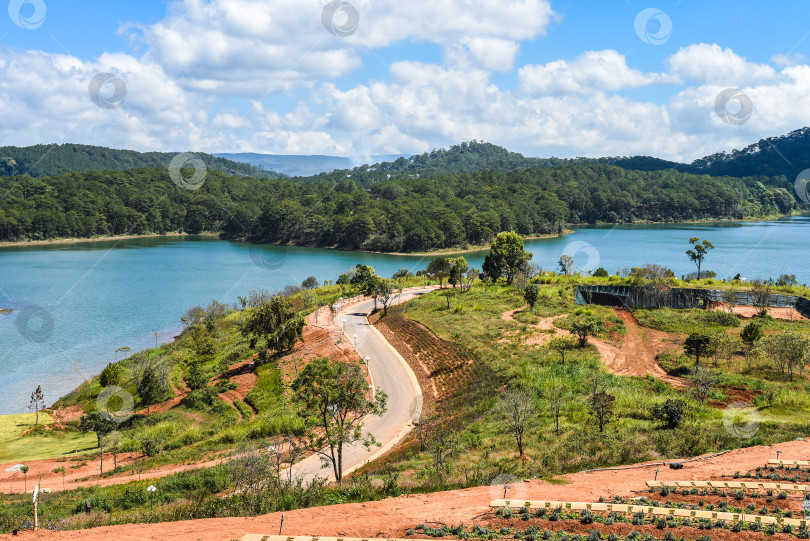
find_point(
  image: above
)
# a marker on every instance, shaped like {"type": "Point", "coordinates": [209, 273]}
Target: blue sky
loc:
{"type": "Point", "coordinates": [563, 78]}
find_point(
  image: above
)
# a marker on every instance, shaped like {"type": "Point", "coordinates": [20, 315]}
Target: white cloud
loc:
{"type": "Point", "coordinates": [591, 71]}
{"type": "Point", "coordinates": [711, 64]}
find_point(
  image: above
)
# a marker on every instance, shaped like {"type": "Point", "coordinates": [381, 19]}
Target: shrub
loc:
{"type": "Point", "coordinates": [671, 413]}
{"type": "Point", "coordinates": [601, 272]}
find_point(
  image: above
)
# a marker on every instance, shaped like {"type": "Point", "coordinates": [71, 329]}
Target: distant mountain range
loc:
{"type": "Point", "coordinates": [51, 160]}
{"type": "Point", "coordinates": [304, 166]}
{"type": "Point", "coordinates": [772, 157]}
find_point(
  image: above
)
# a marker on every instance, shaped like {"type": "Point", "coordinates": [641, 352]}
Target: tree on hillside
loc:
{"type": "Point", "coordinates": [761, 296]}
{"type": "Point", "coordinates": [788, 351]}
{"type": "Point", "coordinates": [702, 381]}
{"type": "Point", "coordinates": [531, 294]}
{"type": "Point", "coordinates": [385, 292]}
{"type": "Point", "coordinates": [310, 283]}
{"type": "Point", "coordinates": [363, 279]}
{"type": "Point", "coordinates": [458, 267]}
{"type": "Point", "coordinates": [469, 279]}
{"type": "Point", "coordinates": [602, 408]}
{"type": "Point", "coordinates": [439, 269]}
{"type": "Point", "coordinates": [506, 257]}
{"type": "Point", "coordinates": [37, 403]}
{"type": "Point", "coordinates": [335, 400]}
{"type": "Point", "coordinates": [98, 423]}
{"type": "Point", "coordinates": [517, 410]}
{"type": "Point", "coordinates": [751, 333]}
{"type": "Point", "coordinates": [561, 344]}
{"type": "Point", "coordinates": [697, 345]}
{"type": "Point", "coordinates": [277, 324]}
{"type": "Point", "coordinates": [150, 387]}
{"type": "Point", "coordinates": [584, 327]}
{"type": "Point", "coordinates": [557, 393]}
{"type": "Point", "coordinates": [699, 253]}
{"type": "Point", "coordinates": [566, 263]}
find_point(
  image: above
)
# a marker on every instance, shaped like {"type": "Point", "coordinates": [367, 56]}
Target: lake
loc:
{"type": "Point", "coordinates": [75, 304]}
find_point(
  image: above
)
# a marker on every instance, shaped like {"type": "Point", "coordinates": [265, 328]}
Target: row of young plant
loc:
{"type": "Point", "coordinates": [724, 506]}
{"type": "Point", "coordinates": [738, 494]}
{"type": "Point", "coordinates": [641, 519]}
{"type": "Point", "coordinates": [532, 533]}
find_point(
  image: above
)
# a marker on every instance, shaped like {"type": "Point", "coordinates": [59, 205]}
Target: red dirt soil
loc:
{"type": "Point", "coordinates": [635, 357]}
{"type": "Point", "coordinates": [393, 516]}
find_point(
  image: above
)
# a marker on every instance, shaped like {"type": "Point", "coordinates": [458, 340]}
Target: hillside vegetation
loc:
{"type": "Point", "coordinates": [411, 214]}
{"type": "Point", "coordinates": [53, 159]}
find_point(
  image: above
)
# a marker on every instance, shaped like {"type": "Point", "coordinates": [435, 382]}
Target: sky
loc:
{"type": "Point", "coordinates": [677, 79]}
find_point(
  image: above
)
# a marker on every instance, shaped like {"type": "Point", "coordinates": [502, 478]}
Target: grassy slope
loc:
{"type": "Point", "coordinates": [51, 444]}
{"type": "Point", "coordinates": [486, 449]}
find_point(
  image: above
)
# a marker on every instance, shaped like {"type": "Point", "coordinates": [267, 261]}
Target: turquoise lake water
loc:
{"type": "Point", "coordinates": [74, 304]}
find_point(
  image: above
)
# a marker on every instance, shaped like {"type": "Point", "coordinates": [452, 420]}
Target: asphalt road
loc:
{"type": "Point", "coordinates": [389, 373]}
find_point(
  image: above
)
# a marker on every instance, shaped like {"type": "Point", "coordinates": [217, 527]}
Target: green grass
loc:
{"type": "Point", "coordinates": [43, 444]}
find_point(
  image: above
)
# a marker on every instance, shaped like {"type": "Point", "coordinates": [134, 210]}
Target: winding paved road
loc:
{"type": "Point", "coordinates": [390, 373]}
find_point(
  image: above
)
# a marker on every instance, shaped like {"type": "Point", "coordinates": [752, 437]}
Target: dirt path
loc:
{"type": "Point", "coordinates": [637, 354]}
{"type": "Point", "coordinates": [635, 357]}
{"type": "Point", "coordinates": [393, 516]}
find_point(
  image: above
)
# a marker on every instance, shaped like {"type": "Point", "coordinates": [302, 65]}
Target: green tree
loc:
{"type": "Point", "coordinates": [531, 294]}
{"type": "Point", "coordinates": [150, 388]}
{"type": "Point", "coordinates": [310, 283]}
{"type": "Point", "coordinates": [751, 333]}
{"type": "Point", "coordinates": [458, 267]}
{"type": "Point", "coordinates": [561, 344]}
{"type": "Point", "coordinates": [277, 324]}
{"type": "Point", "coordinates": [335, 400]}
{"type": "Point", "coordinates": [699, 253]}
{"type": "Point", "coordinates": [601, 272]}
{"type": "Point", "coordinates": [98, 423]}
{"type": "Point", "coordinates": [670, 413]}
{"type": "Point", "coordinates": [196, 376]}
{"type": "Point", "coordinates": [566, 263]}
{"type": "Point", "coordinates": [584, 327]}
{"type": "Point", "coordinates": [384, 291]}
{"type": "Point", "coordinates": [602, 408]}
{"type": "Point", "coordinates": [697, 345]}
{"type": "Point", "coordinates": [506, 257]}
{"type": "Point", "coordinates": [111, 375]}
{"type": "Point", "coordinates": [364, 279]}
{"type": "Point", "coordinates": [439, 268]}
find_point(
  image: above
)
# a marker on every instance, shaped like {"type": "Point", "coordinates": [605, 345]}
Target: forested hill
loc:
{"type": "Point", "coordinates": [787, 155]}
{"type": "Point", "coordinates": [50, 160]}
{"type": "Point", "coordinates": [409, 214]}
